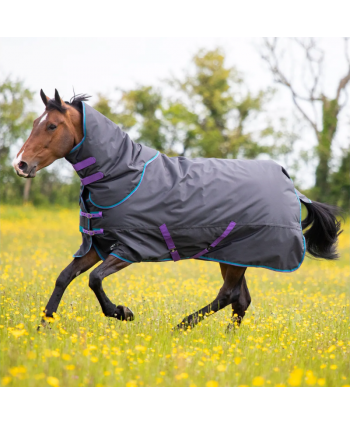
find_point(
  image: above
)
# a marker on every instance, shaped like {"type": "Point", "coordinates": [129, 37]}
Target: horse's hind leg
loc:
{"type": "Point", "coordinates": [240, 307]}
{"type": "Point", "coordinates": [229, 294]}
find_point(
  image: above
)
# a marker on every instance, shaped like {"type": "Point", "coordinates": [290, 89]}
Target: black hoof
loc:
{"type": "Point", "coordinates": [184, 326]}
{"type": "Point", "coordinates": [43, 325]}
{"type": "Point", "coordinates": [123, 313]}
{"type": "Point", "coordinates": [234, 325]}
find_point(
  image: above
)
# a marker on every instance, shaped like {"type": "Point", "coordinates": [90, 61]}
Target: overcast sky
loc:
{"type": "Point", "coordinates": [93, 65]}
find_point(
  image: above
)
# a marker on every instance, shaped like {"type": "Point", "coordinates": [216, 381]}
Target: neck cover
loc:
{"type": "Point", "coordinates": [140, 205]}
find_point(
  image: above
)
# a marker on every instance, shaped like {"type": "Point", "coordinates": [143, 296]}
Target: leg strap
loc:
{"type": "Point", "coordinates": [230, 227]}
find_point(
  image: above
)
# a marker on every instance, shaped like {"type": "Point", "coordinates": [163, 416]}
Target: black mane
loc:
{"type": "Point", "coordinates": [75, 102]}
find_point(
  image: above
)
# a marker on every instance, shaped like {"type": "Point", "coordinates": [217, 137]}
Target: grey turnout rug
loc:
{"type": "Point", "coordinates": [140, 205]}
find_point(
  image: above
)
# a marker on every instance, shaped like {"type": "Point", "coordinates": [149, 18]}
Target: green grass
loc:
{"type": "Point", "coordinates": [296, 331]}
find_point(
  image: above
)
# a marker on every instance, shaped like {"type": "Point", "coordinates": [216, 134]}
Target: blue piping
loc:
{"type": "Point", "coordinates": [125, 198]}
{"type": "Point", "coordinates": [84, 127]}
{"type": "Point", "coordinates": [258, 266]}
{"type": "Point", "coordinates": [80, 256]}
{"type": "Point", "coordinates": [123, 259]}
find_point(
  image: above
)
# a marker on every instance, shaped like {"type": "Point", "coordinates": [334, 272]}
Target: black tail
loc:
{"type": "Point", "coordinates": [321, 238]}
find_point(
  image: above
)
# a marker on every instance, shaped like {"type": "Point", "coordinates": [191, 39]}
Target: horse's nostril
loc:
{"type": "Point", "coordinates": [23, 166]}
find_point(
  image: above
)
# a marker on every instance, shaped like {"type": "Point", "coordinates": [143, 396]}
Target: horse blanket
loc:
{"type": "Point", "coordinates": [140, 205]}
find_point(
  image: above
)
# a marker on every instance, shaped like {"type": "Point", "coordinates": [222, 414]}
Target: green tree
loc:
{"type": "Point", "coordinates": [324, 128]}
{"type": "Point", "coordinates": [214, 111]}
{"type": "Point", "coordinates": [16, 120]}
{"type": "Point", "coordinates": [139, 109]}
{"type": "Point", "coordinates": [340, 183]}
{"type": "Point", "coordinates": [209, 114]}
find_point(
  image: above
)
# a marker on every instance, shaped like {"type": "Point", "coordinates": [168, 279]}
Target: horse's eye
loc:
{"type": "Point", "coordinates": [52, 127]}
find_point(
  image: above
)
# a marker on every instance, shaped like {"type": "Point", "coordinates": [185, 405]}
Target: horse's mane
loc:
{"type": "Point", "coordinates": [75, 101]}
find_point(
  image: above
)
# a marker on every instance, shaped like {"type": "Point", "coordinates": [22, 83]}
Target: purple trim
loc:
{"type": "Point", "coordinates": [91, 215]}
{"type": "Point", "coordinates": [170, 243]}
{"type": "Point", "coordinates": [167, 237]}
{"type": "Point", "coordinates": [230, 227]}
{"type": "Point", "coordinates": [203, 252]}
{"type": "Point", "coordinates": [92, 178]}
{"type": "Point", "coordinates": [92, 232]}
{"type": "Point", "coordinates": [84, 163]}
{"type": "Point", "coordinates": [175, 255]}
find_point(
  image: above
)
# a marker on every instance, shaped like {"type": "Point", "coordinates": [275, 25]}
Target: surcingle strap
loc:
{"type": "Point", "coordinates": [230, 227]}
{"type": "Point", "coordinates": [170, 243]}
{"type": "Point", "coordinates": [84, 163]}
{"type": "Point", "coordinates": [91, 215]}
{"type": "Point", "coordinates": [91, 232]}
{"type": "Point", "coordinates": [92, 178]}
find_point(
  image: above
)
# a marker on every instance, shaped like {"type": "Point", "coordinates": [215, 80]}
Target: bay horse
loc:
{"type": "Point", "coordinates": [61, 130]}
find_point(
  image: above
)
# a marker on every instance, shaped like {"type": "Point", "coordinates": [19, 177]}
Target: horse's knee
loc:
{"type": "Point", "coordinates": [95, 280]}
{"type": "Point", "coordinates": [62, 281]}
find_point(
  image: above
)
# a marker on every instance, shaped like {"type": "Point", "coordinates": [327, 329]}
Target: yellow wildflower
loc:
{"type": "Point", "coordinates": [212, 383]}
{"type": "Point", "coordinates": [221, 368]}
{"type": "Point", "coordinates": [53, 381]}
{"type": "Point", "coordinates": [258, 381]}
{"type": "Point", "coordinates": [294, 379]}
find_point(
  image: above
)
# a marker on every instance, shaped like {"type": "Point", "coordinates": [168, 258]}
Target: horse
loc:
{"type": "Point", "coordinates": [60, 132]}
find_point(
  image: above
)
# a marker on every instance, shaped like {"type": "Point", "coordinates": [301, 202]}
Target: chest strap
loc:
{"type": "Point", "coordinates": [92, 178]}
{"type": "Point", "coordinates": [91, 232]}
{"type": "Point", "coordinates": [91, 214]}
{"type": "Point", "coordinates": [230, 227]}
{"type": "Point", "coordinates": [84, 163]}
{"type": "Point", "coordinates": [170, 243]}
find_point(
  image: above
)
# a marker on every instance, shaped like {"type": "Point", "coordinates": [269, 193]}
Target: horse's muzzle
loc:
{"type": "Point", "coordinates": [23, 170]}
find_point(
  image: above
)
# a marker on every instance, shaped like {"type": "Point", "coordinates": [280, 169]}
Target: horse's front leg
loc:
{"type": "Point", "coordinates": [108, 267]}
{"type": "Point", "coordinates": [76, 267]}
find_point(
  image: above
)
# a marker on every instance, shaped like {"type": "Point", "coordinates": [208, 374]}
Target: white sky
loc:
{"type": "Point", "coordinates": [93, 65]}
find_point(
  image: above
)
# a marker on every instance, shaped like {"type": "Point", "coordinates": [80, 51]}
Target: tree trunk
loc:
{"type": "Point", "coordinates": [330, 111]}
{"type": "Point", "coordinates": [26, 191]}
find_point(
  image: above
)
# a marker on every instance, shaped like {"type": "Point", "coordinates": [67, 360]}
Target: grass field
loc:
{"type": "Point", "coordinates": [295, 333]}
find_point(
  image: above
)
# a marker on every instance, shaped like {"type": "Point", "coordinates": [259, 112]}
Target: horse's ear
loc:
{"type": "Point", "coordinates": [44, 97]}
{"type": "Point", "coordinates": [57, 97]}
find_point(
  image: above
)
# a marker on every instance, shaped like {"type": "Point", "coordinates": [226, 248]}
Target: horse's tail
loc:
{"type": "Point", "coordinates": [321, 238]}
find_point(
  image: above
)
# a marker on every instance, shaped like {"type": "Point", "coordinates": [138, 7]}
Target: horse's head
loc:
{"type": "Point", "coordinates": [53, 136]}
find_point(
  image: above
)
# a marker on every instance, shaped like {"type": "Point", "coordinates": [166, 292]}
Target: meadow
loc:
{"type": "Point", "coordinates": [296, 331]}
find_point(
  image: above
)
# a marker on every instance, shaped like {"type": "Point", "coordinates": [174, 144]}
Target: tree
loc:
{"type": "Point", "coordinates": [139, 109]}
{"type": "Point", "coordinates": [16, 119]}
{"type": "Point", "coordinates": [215, 108]}
{"type": "Point", "coordinates": [340, 183]}
{"type": "Point", "coordinates": [324, 127]}
{"type": "Point", "coordinates": [210, 113]}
